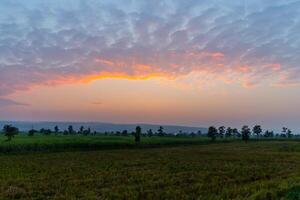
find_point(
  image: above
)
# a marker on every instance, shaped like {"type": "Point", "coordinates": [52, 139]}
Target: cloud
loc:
{"type": "Point", "coordinates": [9, 102]}
{"type": "Point", "coordinates": [59, 42]}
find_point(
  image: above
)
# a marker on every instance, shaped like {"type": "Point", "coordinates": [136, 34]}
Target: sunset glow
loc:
{"type": "Point", "coordinates": [171, 62]}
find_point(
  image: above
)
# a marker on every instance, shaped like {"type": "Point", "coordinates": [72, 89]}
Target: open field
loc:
{"type": "Point", "coordinates": [234, 170]}
{"type": "Point", "coordinates": [23, 143]}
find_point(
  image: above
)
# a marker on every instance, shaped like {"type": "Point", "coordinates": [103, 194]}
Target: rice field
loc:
{"type": "Point", "coordinates": [199, 170]}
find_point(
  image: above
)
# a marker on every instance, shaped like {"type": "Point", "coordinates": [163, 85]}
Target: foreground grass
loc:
{"type": "Point", "coordinates": [257, 170]}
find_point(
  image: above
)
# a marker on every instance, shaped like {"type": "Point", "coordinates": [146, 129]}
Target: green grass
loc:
{"type": "Point", "coordinates": [24, 143]}
{"type": "Point", "coordinates": [235, 170]}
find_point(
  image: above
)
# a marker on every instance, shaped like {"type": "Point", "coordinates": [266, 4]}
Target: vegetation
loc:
{"type": "Point", "coordinates": [10, 131]}
{"type": "Point", "coordinates": [137, 135]}
{"type": "Point", "coordinates": [212, 133]}
{"type": "Point", "coordinates": [246, 133]}
{"type": "Point", "coordinates": [235, 170]}
{"type": "Point", "coordinates": [90, 165]}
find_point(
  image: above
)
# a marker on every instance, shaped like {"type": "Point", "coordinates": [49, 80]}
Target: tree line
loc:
{"type": "Point", "coordinates": [10, 132]}
{"type": "Point", "coordinates": [213, 133]}
{"type": "Point", "coordinates": [246, 133]}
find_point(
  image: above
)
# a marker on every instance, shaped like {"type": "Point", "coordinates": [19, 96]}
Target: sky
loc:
{"type": "Point", "coordinates": [182, 62]}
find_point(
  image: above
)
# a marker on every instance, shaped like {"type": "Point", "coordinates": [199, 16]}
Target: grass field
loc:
{"type": "Point", "coordinates": [22, 143]}
{"type": "Point", "coordinates": [232, 170]}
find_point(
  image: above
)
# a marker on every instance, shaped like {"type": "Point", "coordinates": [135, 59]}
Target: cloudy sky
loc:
{"type": "Point", "coordinates": [187, 62]}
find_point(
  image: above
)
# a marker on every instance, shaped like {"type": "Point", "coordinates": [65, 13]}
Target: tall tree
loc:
{"type": "Point", "coordinates": [212, 133]}
{"type": "Point", "coordinates": [137, 135]}
{"type": "Point", "coordinates": [257, 130]}
{"type": "Point", "coordinates": [246, 133]}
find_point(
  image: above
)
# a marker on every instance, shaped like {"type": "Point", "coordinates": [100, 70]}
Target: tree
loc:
{"type": "Point", "coordinates": [160, 131]}
{"type": "Point", "coordinates": [289, 133]}
{"type": "Point", "coordinates": [268, 133]}
{"type": "Point", "coordinates": [236, 133]}
{"type": "Point", "coordinates": [45, 131]}
{"type": "Point", "coordinates": [81, 129]}
{"type": "Point", "coordinates": [212, 133]}
{"type": "Point", "coordinates": [87, 132]}
{"type": "Point", "coordinates": [124, 133]}
{"type": "Point", "coordinates": [10, 131]}
{"type": "Point", "coordinates": [56, 130]}
{"type": "Point", "coordinates": [246, 133]}
{"type": "Point", "coordinates": [150, 133]}
{"type": "Point", "coordinates": [228, 132]}
{"type": "Point", "coordinates": [137, 135]}
{"type": "Point", "coordinates": [32, 132]}
{"type": "Point", "coordinates": [71, 130]}
{"type": "Point", "coordinates": [257, 130]}
{"type": "Point", "coordinates": [199, 132]}
{"type": "Point", "coordinates": [221, 131]}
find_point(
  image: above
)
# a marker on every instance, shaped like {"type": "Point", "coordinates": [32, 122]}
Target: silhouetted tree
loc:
{"type": "Point", "coordinates": [124, 133]}
{"type": "Point", "coordinates": [10, 131]}
{"type": "Point", "coordinates": [246, 133]}
{"type": "Point", "coordinates": [48, 132]}
{"type": "Point", "coordinates": [87, 132]}
{"type": "Point", "coordinates": [236, 133]}
{"type": "Point", "coordinates": [81, 129]}
{"type": "Point", "coordinates": [150, 133]}
{"type": "Point", "coordinates": [199, 132]}
{"type": "Point", "coordinates": [31, 132]}
{"type": "Point", "coordinates": [269, 134]}
{"type": "Point", "coordinates": [212, 133]}
{"type": "Point", "coordinates": [160, 131]}
{"type": "Point", "coordinates": [56, 130]}
{"type": "Point", "coordinates": [228, 132]}
{"type": "Point", "coordinates": [137, 135]}
{"type": "Point", "coordinates": [71, 130]}
{"type": "Point", "coordinates": [193, 134]}
{"type": "Point", "coordinates": [257, 130]}
{"type": "Point", "coordinates": [221, 131]}
{"type": "Point", "coordinates": [289, 133]}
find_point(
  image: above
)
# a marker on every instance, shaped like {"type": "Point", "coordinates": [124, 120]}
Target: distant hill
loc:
{"type": "Point", "coordinates": [101, 127]}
